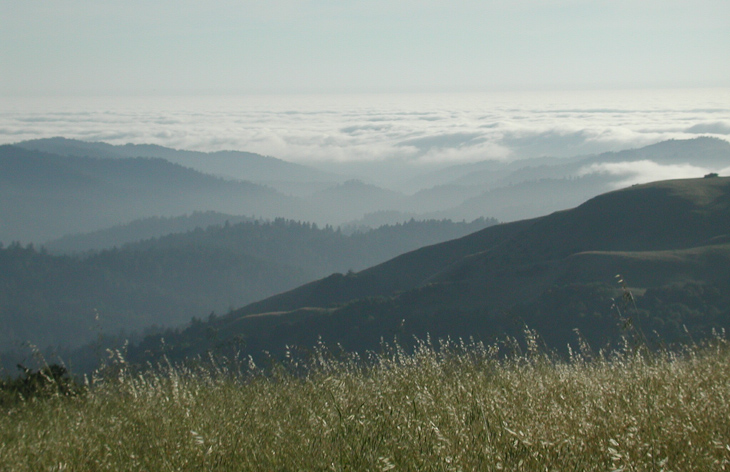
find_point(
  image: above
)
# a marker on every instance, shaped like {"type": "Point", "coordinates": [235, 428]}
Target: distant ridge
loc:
{"type": "Point", "coordinates": [230, 164]}
{"type": "Point", "coordinates": [45, 196]}
{"type": "Point", "coordinates": [144, 228]}
{"type": "Point", "coordinates": [506, 191]}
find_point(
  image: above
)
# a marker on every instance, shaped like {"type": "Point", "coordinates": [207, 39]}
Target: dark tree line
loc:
{"type": "Point", "coordinates": [69, 300]}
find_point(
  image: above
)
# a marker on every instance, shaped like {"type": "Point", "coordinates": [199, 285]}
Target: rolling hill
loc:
{"type": "Point", "coordinates": [236, 165]}
{"type": "Point", "coordinates": [669, 240]}
{"type": "Point", "coordinates": [45, 196]}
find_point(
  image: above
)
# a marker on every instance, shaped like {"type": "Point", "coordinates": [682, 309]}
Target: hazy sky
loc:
{"type": "Point", "coordinates": [71, 47]}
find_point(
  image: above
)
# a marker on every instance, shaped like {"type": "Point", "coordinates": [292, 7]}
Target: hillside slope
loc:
{"type": "Point", "coordinates": [669, 239]}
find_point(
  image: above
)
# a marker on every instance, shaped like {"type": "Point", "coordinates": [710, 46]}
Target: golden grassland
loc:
{"type": "Point", "coordinates": [453, 407]}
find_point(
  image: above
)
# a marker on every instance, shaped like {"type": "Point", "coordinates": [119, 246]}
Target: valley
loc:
{"type": "Point", "coordinates": [129, 243]}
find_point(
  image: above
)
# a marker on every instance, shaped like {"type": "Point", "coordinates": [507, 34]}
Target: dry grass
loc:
{"type": "Point", "coordinates": [453, 408]}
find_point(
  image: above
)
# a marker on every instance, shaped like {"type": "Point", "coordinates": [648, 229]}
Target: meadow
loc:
{"type": "Point", "coordinates": [444, 406]}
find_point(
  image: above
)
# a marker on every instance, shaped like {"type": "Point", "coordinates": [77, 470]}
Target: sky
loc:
{"type": "Point", "coordinates": [339, 81]}
{"type": "Point", "coordinates": [187, 47]}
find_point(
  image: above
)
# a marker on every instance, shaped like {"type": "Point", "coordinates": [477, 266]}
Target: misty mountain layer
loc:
{"type": "Point", "coordinates": [45, 196]}
{"type": "Point", "coordinates": [57, 187]}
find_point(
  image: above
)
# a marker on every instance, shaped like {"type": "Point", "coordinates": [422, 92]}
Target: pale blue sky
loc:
{"type": "Point", "coordinates": [71, 47]}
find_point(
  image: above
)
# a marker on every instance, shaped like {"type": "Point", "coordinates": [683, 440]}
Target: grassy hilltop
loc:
{"type": "Point", "coordinates": [456, 408]}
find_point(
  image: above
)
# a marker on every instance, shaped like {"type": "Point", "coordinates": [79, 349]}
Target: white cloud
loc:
{"type": "Point", "coordinates": [713, 127]}
{"type": "Point", "coordinates": [417, 128]}
{"type": "Point", "coordinates": [640, 172]}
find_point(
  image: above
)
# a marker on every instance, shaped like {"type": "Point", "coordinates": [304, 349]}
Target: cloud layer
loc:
{"type": "Point", "coordinates": [641, 172]}
{"type": "Point", "coordinates": [407, 128]}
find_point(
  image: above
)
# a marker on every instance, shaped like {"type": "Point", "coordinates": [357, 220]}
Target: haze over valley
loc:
{"type": "Point", "coordinates": [134, 245]}
{"type": "Point", "coordinates": [159, 165]}
{"type": "Point", "coordinates": [133, 239]}
{"type": "Point", "coordinates": [56, 187]}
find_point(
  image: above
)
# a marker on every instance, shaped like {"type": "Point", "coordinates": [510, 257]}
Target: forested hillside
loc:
{"type": "Point", "coordinates": [67, 300]}
{"type": "Point", "coordinates": [143, 228]}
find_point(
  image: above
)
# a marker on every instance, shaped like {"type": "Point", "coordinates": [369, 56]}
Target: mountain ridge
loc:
{"type": "Point", "coordinates": [239, 165]}
{"type": "Point", "coordinates": [45, 196]}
